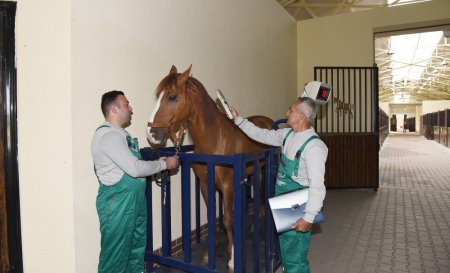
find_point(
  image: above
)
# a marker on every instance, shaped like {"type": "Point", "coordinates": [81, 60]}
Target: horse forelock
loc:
{"type": "Point", "coordinates": [166, 84]}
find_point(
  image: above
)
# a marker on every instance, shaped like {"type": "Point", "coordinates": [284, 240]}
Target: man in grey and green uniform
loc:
{"type": "Point", "coordinates": [121, 204]}
{"type": "Point", "coordinates": [302, 166]}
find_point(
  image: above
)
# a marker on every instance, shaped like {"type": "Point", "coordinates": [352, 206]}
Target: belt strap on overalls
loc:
{"type": "Point", "coordinates": [299, 152]}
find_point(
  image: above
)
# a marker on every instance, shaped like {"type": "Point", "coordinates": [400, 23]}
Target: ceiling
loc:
{"type": "Point", "coordinates": [432, 84]}
{"type": "Point", "coordinates": [308, 9]}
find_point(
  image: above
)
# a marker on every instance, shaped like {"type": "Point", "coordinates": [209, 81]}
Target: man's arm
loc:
{"type": "Point", "coordinates": [315, 157]}
{"type": "Point", "coordinates": [265, 136]}
{"type": "Point", "coordinates": [116, 149]}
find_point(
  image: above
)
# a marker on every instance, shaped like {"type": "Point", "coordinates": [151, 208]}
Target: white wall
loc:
{"type": "Point", "coordinates": [45, 135]}
{"type": "Point", "coordinates": [70, 52]}
{"type": "Point", "coordinates": [434, 106]}
{"type": "Point", "coordinates": [347, 39]}
{"type": "Point", "coordinates": [385, 107]}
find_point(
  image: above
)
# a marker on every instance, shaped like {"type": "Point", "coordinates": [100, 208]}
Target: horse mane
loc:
{"type": "Point", "coordinates": [208, 103]}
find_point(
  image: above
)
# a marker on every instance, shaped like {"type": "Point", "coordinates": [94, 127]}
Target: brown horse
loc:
{"type": "Point", "coordinates": [183, 102]}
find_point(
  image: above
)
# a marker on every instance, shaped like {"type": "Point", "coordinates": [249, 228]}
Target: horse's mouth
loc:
{"type": "Point", "coordinates": [157, 136]}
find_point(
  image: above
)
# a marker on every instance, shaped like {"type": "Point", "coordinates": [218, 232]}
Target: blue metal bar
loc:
{"type": "Point", "coordinates": [239, 202]}
{"type": "Point", "coordinates": [211, 210]}
{"type": "Point", "coordinates": [256, 181]}
{"type": "Point", "coordinates": [275, 251]}
{"type": "Point", "coordinates": [175, 263]}
{"type": "Point", "coordinates": [148, 193]}
{"type": "Point", "coordinates": [186, 210]}
{"type": "Point", "coordinates": [153, 154]}
{"type": "Point", "coordinates": [204, 158]}
{"type": "Point", "coordinates": [165, 214]}
{"type": "Point", "coordinates": [248, 191]}
{"type": "Point", "coordinates": [278, 122]}
{"type": "Point", "coordinates": [197, 210]}
{"type": "Point", "coordinates": [269, 231]}
{"type": "Point", "coordinates": [252, 156]}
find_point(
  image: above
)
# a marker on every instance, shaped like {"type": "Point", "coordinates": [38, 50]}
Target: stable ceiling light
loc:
{"type": "Point", "coordinates": [412, 54]}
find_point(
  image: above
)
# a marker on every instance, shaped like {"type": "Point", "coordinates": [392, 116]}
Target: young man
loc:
{"type": "Point", "coordinates": [121, 202]}
{"type": "Point", "coordinates": [302, 165]}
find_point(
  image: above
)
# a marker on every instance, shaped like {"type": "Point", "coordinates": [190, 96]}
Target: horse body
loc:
{"type": "Point", "coordinates": [184, 103]}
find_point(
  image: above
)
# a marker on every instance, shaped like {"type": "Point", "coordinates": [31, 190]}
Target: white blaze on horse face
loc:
{"type": "Point", "coordinates": [152, 117]}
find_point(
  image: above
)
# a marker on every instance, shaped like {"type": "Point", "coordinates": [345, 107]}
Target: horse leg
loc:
{"type": "Point", "coordinates": [262, 190]}
{"type": "Point", "coordinates": [227, 193]}
{"type": "Point", "coordinates": [204, 191]}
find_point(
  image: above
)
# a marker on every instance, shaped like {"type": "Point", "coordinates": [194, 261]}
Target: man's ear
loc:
{"type": "Point", "coordinates": [114, 109]}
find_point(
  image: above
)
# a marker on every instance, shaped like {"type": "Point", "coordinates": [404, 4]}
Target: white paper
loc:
{"type": "Point", "coordinates": [288, 200]}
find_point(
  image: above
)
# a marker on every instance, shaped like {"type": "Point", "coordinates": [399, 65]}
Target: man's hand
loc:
{"type": "Point", "coordinates": [171, 162]}
{"type": "Point", "coordinates": [234, 112]}
{"type": "Point", "coordinates": [302, 226]}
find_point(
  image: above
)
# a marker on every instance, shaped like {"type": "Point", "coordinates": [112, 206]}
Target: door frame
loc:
{"type": "Point", "coordinates": [9, 137]}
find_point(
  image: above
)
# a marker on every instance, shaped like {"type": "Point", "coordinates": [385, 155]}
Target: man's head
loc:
{"type": "Point", "coordinates": [308, 107]}
{"type": "Point", "coordinates": [301, 113]}
{"type": "Point", "coordinates": [116, 108]}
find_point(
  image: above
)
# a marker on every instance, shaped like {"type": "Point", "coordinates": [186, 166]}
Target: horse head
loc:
{"type": "Point", "coordinates": [172, 109]}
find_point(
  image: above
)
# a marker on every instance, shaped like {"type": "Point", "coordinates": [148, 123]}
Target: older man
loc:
{"type": "Point", "coordinates": [302, 165]}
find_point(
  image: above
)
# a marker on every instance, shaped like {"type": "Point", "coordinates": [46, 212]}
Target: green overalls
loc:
{"type": "Point", "coordinates": [122, 211]}
{"type": "Point", "coordinates": [293, 244]}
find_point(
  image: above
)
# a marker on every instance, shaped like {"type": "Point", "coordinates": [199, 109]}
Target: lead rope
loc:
{"type": "Point", "coordinates": [177, 148]}
{"type": "Point", "coordinates": [157, 176]}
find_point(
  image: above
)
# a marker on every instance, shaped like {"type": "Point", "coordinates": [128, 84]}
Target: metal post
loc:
{"type": "Point", "coordinates": [186, 208]}
{"type": "Point", "coordinates": [211, 217]}
{"type": "Point", "coordinates": [165, 214]}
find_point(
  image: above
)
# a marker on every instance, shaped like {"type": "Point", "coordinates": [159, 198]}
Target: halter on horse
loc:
{"type": "Point", "coordinates": [183, 103]}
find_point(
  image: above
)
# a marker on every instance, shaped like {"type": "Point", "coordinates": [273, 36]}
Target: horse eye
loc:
{"type": "Point", "coordinates": [172, 97]}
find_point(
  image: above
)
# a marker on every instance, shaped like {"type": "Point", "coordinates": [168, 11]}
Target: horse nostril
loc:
{"type": "Point", "coordinates": [154, 133]}
{"type": "Point", "coordinates": [151, 135]}
{"type": "Point", "coordinates": [157, 134]}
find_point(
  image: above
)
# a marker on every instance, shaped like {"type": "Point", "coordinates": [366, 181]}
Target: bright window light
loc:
{"type": "Point", "coordinates": [411, 54]}
{"type": "Point", "coordinates": [404, 2]}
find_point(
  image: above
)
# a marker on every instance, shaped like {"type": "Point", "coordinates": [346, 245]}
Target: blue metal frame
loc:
{"type": "Point", "coordinates": [238, 163]}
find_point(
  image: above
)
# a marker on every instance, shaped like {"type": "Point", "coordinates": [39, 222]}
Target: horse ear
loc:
{"type": "Point", "coordinates": [173, 70]}
{"type": "Point", "coordinates": [183, 78]}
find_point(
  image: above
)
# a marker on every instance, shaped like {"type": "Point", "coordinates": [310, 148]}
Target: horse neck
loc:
{"type": "Point", "coordinates": [206, 122]}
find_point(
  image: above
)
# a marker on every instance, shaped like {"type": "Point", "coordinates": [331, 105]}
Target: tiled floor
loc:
{"type": "Point", "coordinates": [402, 227]}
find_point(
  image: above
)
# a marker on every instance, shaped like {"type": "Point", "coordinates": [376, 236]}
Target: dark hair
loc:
{"type": "Point", "coordinates": [108, 99]}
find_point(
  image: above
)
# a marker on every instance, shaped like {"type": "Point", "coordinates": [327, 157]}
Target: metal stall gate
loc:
{"type": "Point", "coordinates": [349, 126]}
{"type": "Point", "coordinates": [436, 125]}
{"type": "Point", "coordinates": [240, 217]}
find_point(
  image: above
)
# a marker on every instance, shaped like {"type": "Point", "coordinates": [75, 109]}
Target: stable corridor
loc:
{"type": "Point", "coordinates": [403, 227]}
